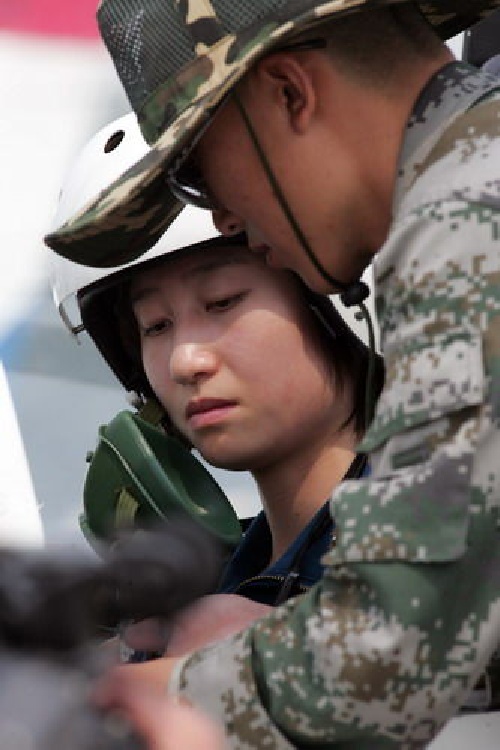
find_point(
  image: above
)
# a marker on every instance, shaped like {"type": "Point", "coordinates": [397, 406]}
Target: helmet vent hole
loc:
{"type": "Point", "coordinates": [114, 141]}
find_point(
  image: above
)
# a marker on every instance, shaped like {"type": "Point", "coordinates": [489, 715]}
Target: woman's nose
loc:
{"type": "Point", "coordinates": [190, 362]}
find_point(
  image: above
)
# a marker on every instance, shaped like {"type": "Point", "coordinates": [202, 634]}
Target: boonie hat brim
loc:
{"type": "Point", "coordinates": [129, 216]}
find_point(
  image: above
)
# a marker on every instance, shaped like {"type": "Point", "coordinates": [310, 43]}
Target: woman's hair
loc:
{"type": "Point", "coordinates": [347, 356]}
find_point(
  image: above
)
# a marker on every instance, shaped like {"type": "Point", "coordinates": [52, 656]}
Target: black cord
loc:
{"type": "Point", "coordinates": [352, 294]}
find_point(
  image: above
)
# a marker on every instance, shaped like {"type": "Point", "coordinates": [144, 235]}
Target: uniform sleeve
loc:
{"type": "Point", "coordinates": [386, 647]}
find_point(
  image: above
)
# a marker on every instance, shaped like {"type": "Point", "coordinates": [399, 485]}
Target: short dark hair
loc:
{"type": "Point", "coordinates": [348, 355]}
{"type": "Point", "coordinates": [376, 45]}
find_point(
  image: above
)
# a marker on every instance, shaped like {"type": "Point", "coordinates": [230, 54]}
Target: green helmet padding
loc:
{"type": "Point", "coordinates": [138, 475]}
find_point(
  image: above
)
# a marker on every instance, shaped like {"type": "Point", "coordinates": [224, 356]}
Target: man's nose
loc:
{"type": "Point", "coordinates": [190, 362]}
{"type": "Point", "coordinates": [227, 223]}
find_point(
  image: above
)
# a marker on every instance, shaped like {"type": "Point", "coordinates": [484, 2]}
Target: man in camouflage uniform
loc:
{"type": "Point", "coordinates": [387, 647]}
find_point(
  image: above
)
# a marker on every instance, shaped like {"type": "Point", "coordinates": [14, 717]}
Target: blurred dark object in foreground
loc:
{"type": "Point", "coordinates": [52, 610]}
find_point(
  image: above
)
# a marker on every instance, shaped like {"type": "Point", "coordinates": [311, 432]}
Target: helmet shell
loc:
{"type": "Point", "coordinates": [83, 294]}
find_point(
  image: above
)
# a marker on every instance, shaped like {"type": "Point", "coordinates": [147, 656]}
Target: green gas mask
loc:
{"type": "Point", "coordinates": [138, 475]}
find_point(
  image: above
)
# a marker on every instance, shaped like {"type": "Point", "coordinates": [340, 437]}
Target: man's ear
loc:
{"type": "Point", "coordinates": [289, 83]}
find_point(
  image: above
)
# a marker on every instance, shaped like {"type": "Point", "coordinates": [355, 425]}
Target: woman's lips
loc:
{"type": "Point", "coordinates": [207, 411]}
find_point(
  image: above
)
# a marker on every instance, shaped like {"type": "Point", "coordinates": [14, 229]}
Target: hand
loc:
{"type": "Point", "coordinates": [162, 722]}
{"type": "Point", "coordinates": [207, 620]}
{"type": "Point", "coordinates": [155, 672]}
{"type": "Point", "coordinates": [211, 618]}
{"type": "Point", "coordinates": [139, 690]}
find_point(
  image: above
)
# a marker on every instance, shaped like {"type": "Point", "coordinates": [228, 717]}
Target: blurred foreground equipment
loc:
{"type": "Point", "coordinates": [52, 611]}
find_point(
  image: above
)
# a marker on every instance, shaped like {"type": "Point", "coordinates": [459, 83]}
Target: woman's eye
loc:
{"type": "Point", "coordinates": [226, 303]}
{"type": "Point", "coordinates": [156, 329]}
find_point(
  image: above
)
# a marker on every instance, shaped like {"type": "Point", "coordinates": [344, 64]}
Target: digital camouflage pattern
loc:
{"type": "Point", "coordinates": [217, 43]}
{"type": "Point", "coordinates": [389, 644]}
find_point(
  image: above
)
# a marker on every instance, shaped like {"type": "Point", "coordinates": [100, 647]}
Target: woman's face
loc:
{"type": "Point", "coordinates": [228, 348]}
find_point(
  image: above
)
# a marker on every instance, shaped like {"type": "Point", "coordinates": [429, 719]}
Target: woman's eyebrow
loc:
{"type": "Point", "coordinates": [202, 268]}
{"type": "Point", "coordinates": [142, 293]}
{"type": "Point", "coordinates": [215, 264]}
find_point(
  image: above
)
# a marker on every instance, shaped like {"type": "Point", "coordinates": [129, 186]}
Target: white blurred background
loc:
{"type": "Point", "coordinates": [57, 87]}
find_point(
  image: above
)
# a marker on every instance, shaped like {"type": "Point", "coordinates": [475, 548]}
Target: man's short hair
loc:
{"type": "Point", "coordinates": [377, 45]}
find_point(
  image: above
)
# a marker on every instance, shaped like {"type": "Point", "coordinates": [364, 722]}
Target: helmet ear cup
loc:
{"type": "Point", "coordinates": [139, 475]}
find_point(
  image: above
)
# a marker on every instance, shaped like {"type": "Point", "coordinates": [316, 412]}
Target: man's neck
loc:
{"type": "Point", "coordinates": [378, 154]}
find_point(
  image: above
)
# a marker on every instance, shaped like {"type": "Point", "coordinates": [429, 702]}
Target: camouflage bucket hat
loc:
{"type": "Point", "coordinates": [177, 60]}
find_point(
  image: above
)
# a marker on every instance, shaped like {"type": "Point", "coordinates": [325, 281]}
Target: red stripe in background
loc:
{"type": "Point", "coordinates": [70, 18]}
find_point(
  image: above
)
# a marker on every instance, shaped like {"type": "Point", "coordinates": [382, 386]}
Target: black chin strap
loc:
{"type": "Point", "coordinates": [351, 294]}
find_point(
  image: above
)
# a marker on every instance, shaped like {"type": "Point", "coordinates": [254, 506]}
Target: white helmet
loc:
{"type": "Point", "coordinates": [81, 293]}
{"type": "Point", "coordinates": [97, 291]}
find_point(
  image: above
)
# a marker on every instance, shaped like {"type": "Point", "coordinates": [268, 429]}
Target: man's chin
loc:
{"type": "Point", "coordinates": [319, 285]}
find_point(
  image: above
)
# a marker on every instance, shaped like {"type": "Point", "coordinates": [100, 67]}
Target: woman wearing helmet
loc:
{"type": "Point", "coordinates": [252, 369]}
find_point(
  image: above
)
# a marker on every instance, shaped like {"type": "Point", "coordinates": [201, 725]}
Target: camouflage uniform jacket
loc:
{"type": "Point", "coordinates": [384, 649]}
